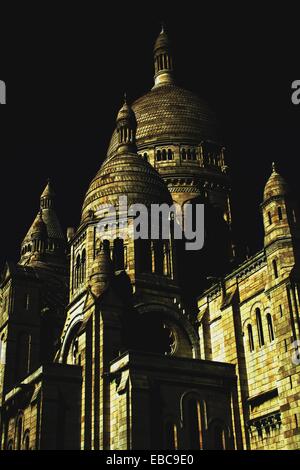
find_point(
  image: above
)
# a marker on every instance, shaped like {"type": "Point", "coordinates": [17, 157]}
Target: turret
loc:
{"type": "Point", "coordinates": [279, 210]}
{"type": "Point", "coordinates": [101, 272]}
{"type": "Point", "coordinates": [126, 129]}
{"type": "Point", "coordinates": [45, 241]}
{"type": "Point", "coordinates": [281, 227]}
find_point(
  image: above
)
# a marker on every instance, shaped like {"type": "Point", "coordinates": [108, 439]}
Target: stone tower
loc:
{"type": "Point", "coordinates": [282, 245]}
{"type": "Point", "coordinates": [33, 299]}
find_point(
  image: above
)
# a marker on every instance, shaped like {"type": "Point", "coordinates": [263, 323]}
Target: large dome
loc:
{"type": "Point", "coordinates": [170, 113]}
{"type": "Point", "coordinates": [125, 174]}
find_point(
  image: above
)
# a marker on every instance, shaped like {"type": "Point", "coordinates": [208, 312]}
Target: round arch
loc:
{"type": "Point", "coordinates": [177, 317]}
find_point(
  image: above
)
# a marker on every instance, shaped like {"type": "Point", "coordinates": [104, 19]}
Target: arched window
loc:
{"type": "Point", "coordinates": [2, 349]}
{"type": "Point", "coordinates": [219, 438]}
{"type": "Point", "coordinates": [167, 259]}
{"type": "Point", "coordinates": [171, 436]}
{"type": "Point", "coordinates": [158, 155]}
{"type": "Point", "coordinates": [259, 327]}
{"type": "Point", "coordinates": [19, 433]}
{"type": "Point", "coordinates": [164, 154]}
{"type": "Point", "coordinates": [189, 155]}
{"type": "Point", "coordinates": [23, 355]}
{"type": "Point", "coordinates": [270, 327]}
{"type": "Point", "coordinates": [194, 155]}
{"type": "Point", "coordinates": [250, 338]}
{"type": "Point", "coordinates": [279, 213]}
{"type": "Point", "coordinates": [26, 301]}
{"type": "Point", "coordinates": [160, 62]}
{"type": "Point", "coordinates": [145, 156]}
{"type": "Point", "coordinates": [194, 424]}
{"type": "Point", "coordinates": [26, 440]}
{"type": "Point", "coordinates": [143, 255]}
{"type": "Point", "coordinates": [77, 270]}
{"type": "Point", "coordinates": [270, 218]}
{"type": "Point", "coordinates": [183, 154]}
{"type": "Point", "coordinates": [10, 445]}
{"type": "Point", "coordinates": [75, 349]}
{"type": "Point", "coordinates": [118, 256]}
{"type": "Point", "coordinates": [159, 257]}
{"type": "Point", "coordinates": [170, 154]}
{"type": "Point", "coordinates": [83, 266]}
{"type": "Point", "coordinates": [275, 270]}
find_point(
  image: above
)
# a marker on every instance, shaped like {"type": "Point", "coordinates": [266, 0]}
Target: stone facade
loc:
{"type": "Point", "coordinates": [251, 319]}
{"type": "Point", "coordinates": [112, 342]}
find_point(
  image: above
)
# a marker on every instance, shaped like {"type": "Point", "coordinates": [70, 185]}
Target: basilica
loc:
{"type": "Point", "coordinates": [108, 342]}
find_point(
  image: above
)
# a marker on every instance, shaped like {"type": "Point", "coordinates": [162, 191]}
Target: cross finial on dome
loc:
{"type": "Point", "coordinates": [274, 170]}
{"type": "Point", "coordinates": [162, 27]}
{"type": "Point", "coordinates": [125, 97]}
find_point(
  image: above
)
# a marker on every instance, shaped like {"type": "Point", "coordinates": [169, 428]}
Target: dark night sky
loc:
{"type": "Point", "coordinates": [66, 72]}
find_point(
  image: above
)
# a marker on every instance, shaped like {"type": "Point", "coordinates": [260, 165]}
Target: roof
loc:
{"type": "Point", "coordinates": [53, 226]}
{"type": "Point", "coordinates": [171, 112]}
{"type": "Point", "coordinates": [125, 174]}
{"type": "Point", "coordinates": [275, 186]}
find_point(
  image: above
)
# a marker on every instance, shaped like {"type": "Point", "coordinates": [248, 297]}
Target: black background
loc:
{"type": "Point", "coordinates": [67, 68]}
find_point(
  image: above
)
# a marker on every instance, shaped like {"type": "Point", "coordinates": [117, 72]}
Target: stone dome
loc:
{"type": "Point", "coordinates": [275, 186]}
{"type": "Point", "coordinates": [125, 174]}
{"type": "Point", "coordinates": [170, 113]}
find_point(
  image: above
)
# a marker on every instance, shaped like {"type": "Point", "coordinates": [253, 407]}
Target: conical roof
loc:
{"type": "Point", "coordinates": [276, 185]}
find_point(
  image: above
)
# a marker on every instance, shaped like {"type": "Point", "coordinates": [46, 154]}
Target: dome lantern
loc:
{"type": "Point", "coordinates": [126, 128]}
{"type": "Point", "coordinates": [163, 60]}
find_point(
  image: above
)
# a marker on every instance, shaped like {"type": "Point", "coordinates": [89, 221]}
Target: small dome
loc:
{"type": "Point", "coordinates": [276, 185]}
{"type": "Point", "coordinates": [125, 174]}
{"type": "Point", "coordinates": [126, 113]}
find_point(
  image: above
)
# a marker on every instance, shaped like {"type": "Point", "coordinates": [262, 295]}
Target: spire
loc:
{"type": "Point", "coordinates": [47, 196]}
{"type": "Point", "coordinates": [163, 61]}
{"type": "Point", "coordinates": [274, 167]}
{"type": "Point", "coordinates": [45, 240]}
{"type": "Point", "coordinates": [126, 128]}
